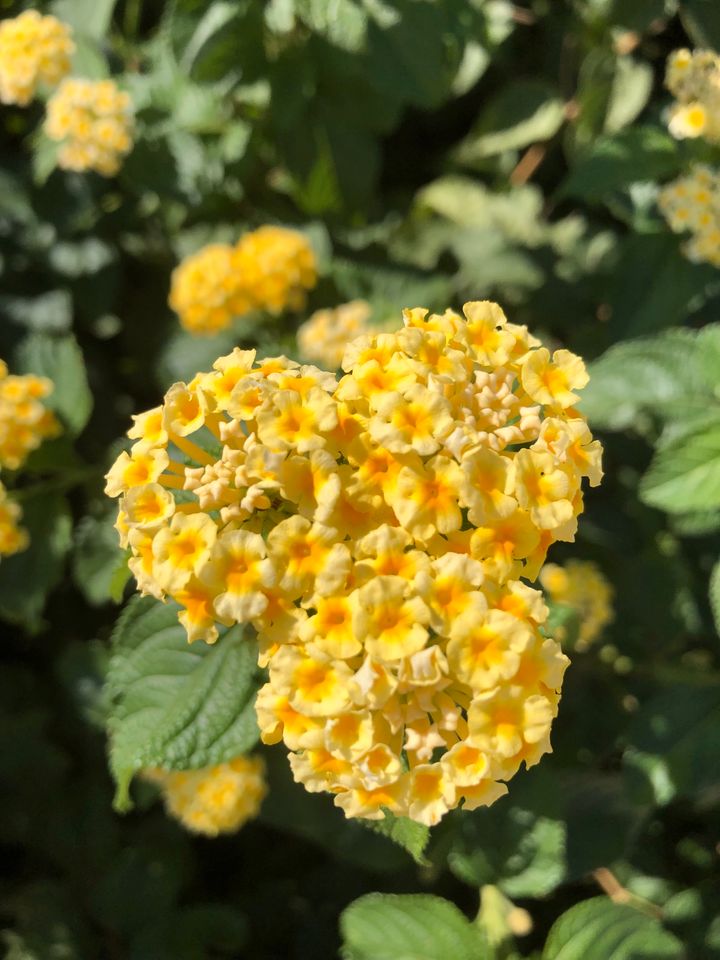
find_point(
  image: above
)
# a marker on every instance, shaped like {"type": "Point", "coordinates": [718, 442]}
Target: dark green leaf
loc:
{"type": "Point", "coordinates": [412, 837]}
{"type": "Point", "coordinates": [27, 578]}
{"type": "Point", "coordinates": [96, 558]}
{"type": "Point", "coordinates": [702, 20]}
{"type": "Point", "coordinates": [524, 112]}
{"type": "Point", "coordinates": [674, 740]}
{"type": "Point", "coordinates": [614, 162]}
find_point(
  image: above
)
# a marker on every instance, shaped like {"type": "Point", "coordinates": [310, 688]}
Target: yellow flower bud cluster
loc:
{"type": "Point", "coordinates": [24, 421]}
{"type": "Point", "coordinates": [694, 79]}
{"type": "Point", "coordinates": [324, 336]}
{"type": "Point", "coordinates": [270, 268]}
{"type": "Point", "coordinates": [93, 121]}
{"type": "Point", "coordinates": [13, 538]}
{"type": "Point", "coordinates": [373, 530]}
{"type": "Point", "coordinates": [692, 204]}
{"type": "Point", "coordinates": [581, 584]}
{"type": "Point", "coordinates": [34, 51]}
{"type": "Point", "coordinates": [213, 800]}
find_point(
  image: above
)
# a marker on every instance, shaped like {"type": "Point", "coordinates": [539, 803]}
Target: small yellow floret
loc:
{"type": "Point", "coordinates": [35, 51]}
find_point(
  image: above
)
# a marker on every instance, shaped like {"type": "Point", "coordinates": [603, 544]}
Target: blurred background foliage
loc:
{"type": "Point", "coordinates": [432, 152]}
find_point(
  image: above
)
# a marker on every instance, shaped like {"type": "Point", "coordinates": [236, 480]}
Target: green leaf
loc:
{"type": "Point", "coordinates": [599, 929]}
{"type": "Point", "coordinates": [412, 837]}
{"type": "Point", "coordinates": [60, 359]}
{"type": "Point", "coordinates": [521, 851]}
{"type": "Point", "coordinates": [120, 577]}
{"type": "Point", "coordinates": [702, 22]}
{"type": "Point", "coordinates": [417, 927]}
{"type": "Point", "coordinates": [27, 578]}
{"type": "Point", "coordinates": [639, 14]}
{"type": "Point", "coordinates": [49, 312]}
{"type": "Point", "coordinates": [654, 285]}
{"type": "Point", "coordinates": [614, 162]}
{"type": "Point", "coordinates": [96, 558]}
{"type": "Point", "coordinates": [89, 17]}
{"type": "Point", "coordinates": [715, 594]}
{"type": "Point", "coordinates": [673, 740]}
{"type": "Point", "coordinates": [631, 89]}
{"type": "Point", "coordinates": [685, 475]}
{"type": "Point", "coordinates": [343, 23]}
{"type": "Point", "coordinates": [662, 374]}
{"type": "Point", "coordinates": [524, 112]}
{"type": "Point", "coordinates": [176, 705]}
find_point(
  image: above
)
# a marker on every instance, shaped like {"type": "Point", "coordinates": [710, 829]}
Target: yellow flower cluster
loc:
{"type": "Point", "coordinates": [580, 584]}
{"type": "Point", "coordinates": [324, 336]}
{"type": "Point", "coordinates": [213, 800]}
{"type": "Point", "coordinates": [93, 120]}
{"type": "Point", "coordinates": [694, 79]}
{"type": "Point", "coordinates": [270, 268]}
{"type": "Point", "coordinates": [373, 531]}
{"type": "Point", "coordinates": [24, 421]}
{"type": "Point", "coordinates": [692, 204]}
{"type": "Point", "coordinates": [34, 50]}
{"type": "Point", "coordinates": [13, 538]}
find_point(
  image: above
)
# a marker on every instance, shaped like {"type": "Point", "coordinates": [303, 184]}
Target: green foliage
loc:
{"type": "Point", "coordinates": [599, 928]}
{"type": "Point", "coordinates": [176, 705]}
{"type": "Point", "coordinates": [419, 927]}
{"type": "Point", "coordinates": [60, 359]}
{"type": "Point", "coordinates": [407, 834]}
{"type": "Point", "coordinates": [29, 576]}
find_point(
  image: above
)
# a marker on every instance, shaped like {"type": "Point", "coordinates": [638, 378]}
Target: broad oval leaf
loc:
{"type": "Point", "coordinates": [685, 475]}
{"type": "Point", "coordinates": [176, 705]}
{"type": "Point", "coordinates": [60, 358]}
{"type": "Point", "coordinates": [415, 927]}
{"type": "Point", "coordinates": [599, 929]}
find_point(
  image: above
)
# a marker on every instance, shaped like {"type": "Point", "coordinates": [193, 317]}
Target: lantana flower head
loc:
{"type": "Point", "coordinates": [35, 51]}
{"type": "Point", "coordinates": [325, 334]}
{"type": "Point", "coordinates": [580, 584]}
{"type": "Point", "coordinates": [691, 204]}
{"type": "Point", "coordinates": [270, 268]}
{"type": "Point", "coordinates": [13, 537]}
{"type": "Point", "coordinates": [694, 79]}
{"type": "Point", "coordinates": [213, 800]}
{"type": "Point", "coordinates": [374, 530]}
{"type": "Point", "coordinates": [93, 122]}
{"type": "Point", "coordinates": [24, 420]}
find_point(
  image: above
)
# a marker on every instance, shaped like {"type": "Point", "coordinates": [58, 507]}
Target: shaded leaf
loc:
{"type": "Point", "coordinates": [614, 162]}
{"type": "Point", "coordinates": [27, 578]}
{"type": "Point", "coordinates": [96, 558]}
{"type": "Point", "coordinates": [411, 836]}
{"type": "Point", "coordinates": [599, 929]}
{"type": "Point", "coordinates": [524, 112]}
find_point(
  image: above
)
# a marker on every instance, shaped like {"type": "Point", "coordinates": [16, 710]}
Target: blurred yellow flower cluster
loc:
{"type": "Point", "coordinates": [213, 800]}
{"type": "Point", "coordinates": [270, 268]}
{"type": "Point", "coordinates": [13, 538]}
{"type": "Point", "coordinates": [693, 77]}
{"type": "Point", "coordinates": [581, 584]}
{"type": "Point", "coordinates": [24, 423]}
{"type": "Point", "coordinates": [373, 531]}
{"type": "Point", "coordinates": [324, 336]}
{"type": "Point", "coordinates": [692, 204]}
{"type": "Point", "coordinates": [34, 51]}
{"type": "Point", "coordinates": [93, 120]}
